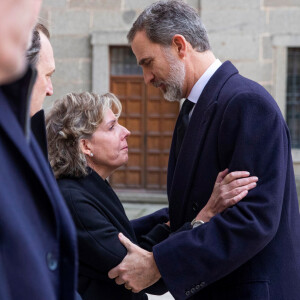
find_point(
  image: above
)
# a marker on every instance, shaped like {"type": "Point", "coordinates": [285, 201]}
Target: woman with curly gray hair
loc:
{"type": "Point", "coordinates": [86, 145]}
{"type": "Point", "coordinates": [70, 126]}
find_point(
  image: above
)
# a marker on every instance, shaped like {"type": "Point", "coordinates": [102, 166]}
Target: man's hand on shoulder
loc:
{"type": "Point", "coordinates": [138, 269]}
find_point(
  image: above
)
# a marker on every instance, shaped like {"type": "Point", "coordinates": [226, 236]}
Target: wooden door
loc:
{"type": "Point", "coordinates": [151, 120]}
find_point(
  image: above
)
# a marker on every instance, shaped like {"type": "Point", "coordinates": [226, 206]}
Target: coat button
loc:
{"type": "Point", "coordinates": [52, 261]}
{"type": "Point", "coordinates": [197, 287]}
{"type": "Point", "coordinates": [187, 293]}
{"type": "Point", "coordinates": [202, 284]}
{"type": "Point", "coordinates": [193, 290]}
{"type": "Point", "coordinates": [195, 207]}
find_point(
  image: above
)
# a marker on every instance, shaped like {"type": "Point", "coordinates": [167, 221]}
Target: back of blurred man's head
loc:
{"type": "Point", "coordinates": [17, 19]}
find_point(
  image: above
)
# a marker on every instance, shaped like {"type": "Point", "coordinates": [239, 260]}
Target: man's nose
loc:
{"type": "Point", "coordinates": [148, 77]}
{"type": "Point", "coordinates": [49, 91]}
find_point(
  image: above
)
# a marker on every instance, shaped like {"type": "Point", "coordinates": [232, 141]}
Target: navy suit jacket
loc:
{"type": "Point", "coordinates": [250, 251]}
{"type": "Point", "coordinates": [37, 235]}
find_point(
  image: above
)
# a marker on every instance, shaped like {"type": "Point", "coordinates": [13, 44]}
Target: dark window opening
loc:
{"type": "Point", "coordinates": [123, 62]}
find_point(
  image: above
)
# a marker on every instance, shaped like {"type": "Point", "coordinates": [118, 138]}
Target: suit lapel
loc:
{"type": "Point", "coordinates": [180, 173]}
{"type": "Point", "coordinates": [186, 163]}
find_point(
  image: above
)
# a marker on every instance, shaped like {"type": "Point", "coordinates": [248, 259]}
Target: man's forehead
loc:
{"type": "Point", "coordinates": [143, 48]}
{"type": "Point", "coordinates": [140, 33]}
{"type": "Point", "coordinates": [140, 38]}
{"type": "Point", "coordinates": [46, 47]}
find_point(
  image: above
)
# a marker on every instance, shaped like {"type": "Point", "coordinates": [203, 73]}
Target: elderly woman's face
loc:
{"type": "Point", "coordinates": [109, 145]}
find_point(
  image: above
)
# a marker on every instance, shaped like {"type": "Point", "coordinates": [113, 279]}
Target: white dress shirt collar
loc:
{"type": "Point", "coordinates": [201, 83]}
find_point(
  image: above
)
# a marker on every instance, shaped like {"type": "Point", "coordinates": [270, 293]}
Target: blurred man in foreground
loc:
{"type": "Point", "coordinates": [38, 241]}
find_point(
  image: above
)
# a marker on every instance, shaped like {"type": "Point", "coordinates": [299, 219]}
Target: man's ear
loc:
{"type": "Point", "coordinates": [180, 45]}
{"type": "Point", "coordinates": [84, 145]}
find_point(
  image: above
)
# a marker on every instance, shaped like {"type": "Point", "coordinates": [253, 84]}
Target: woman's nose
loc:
{"type": "Point", "coordinates": [126, 132]}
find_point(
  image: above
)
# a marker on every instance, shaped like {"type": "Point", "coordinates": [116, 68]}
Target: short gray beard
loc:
{"type": "Point", "coordinates": [174, 83]}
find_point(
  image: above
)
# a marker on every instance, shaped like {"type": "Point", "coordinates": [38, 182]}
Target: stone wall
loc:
{"type": "Point", "coordinates": [246, 32]}
{"type": "Point", "coordinates": [241, 31]}
{"type": "Point", "coordinates": [72, 23]}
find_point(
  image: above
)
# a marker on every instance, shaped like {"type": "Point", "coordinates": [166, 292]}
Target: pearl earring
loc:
{"type": "Point", "coordinates": [91, 154]}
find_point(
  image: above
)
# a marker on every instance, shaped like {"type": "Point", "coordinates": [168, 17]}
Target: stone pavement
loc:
{"type": "Point", "coordinates": [136, 210]}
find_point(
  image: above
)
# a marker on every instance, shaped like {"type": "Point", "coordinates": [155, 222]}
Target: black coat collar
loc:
{"type": "Point", "coordinates": [18, 95]}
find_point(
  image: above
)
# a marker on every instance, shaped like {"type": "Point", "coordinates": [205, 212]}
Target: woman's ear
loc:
{"type": "Point", "coordinates": [180, 44]}
{"type": "Point", "coordinates": [84, 145]}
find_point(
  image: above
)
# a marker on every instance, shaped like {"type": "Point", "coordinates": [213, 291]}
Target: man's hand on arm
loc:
{"type": "Point", "coordinates": [138, 269]}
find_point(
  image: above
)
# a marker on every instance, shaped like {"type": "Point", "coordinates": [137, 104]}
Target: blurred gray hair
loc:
{"type": "Point", "coordinates": [163, 19]}
{"type": "Point", "coordinates": [74, 117]}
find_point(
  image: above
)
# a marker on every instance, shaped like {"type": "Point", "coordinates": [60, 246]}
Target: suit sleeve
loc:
{"type": "Point", "coordinates": [99, 245]}
{"type": "Point", "coordinates": [145, 224]}
{"type": "Point", "coordinates": [253, 137]}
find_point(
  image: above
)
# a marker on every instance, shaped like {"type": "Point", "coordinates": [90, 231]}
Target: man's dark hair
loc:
{"type": "Point", "coordinates": [163, 19]}
{"type": "Point", "coordinates": [32, 53]}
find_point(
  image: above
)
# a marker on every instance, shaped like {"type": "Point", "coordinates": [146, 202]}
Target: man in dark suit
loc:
{"type": "Point", "coordinates": [38, 241]}
{"type": "Point", "coordinates": [43, 58]}
{"type": "Point", "coordinates": [252, 250]}
{"type": "Point", "coordinates": [40, 55]}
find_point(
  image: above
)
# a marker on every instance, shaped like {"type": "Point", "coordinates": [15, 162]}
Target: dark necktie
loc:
{"type": "Point", "coordinates": [183, 122]}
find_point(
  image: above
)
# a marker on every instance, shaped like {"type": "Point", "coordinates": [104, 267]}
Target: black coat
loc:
{"type": "Point", "coordinates": [38, 128]}
{"type": "Point", "coordinates": [99, 216]}
{"type": "Point", "coordinates": [37, 235]}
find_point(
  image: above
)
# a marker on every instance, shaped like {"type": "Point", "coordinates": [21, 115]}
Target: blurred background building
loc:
{"type": "Point", "coordinates": [261, 37]}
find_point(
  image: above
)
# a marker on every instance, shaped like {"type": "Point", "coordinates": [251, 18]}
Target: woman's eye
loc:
{"type": "Point", "coordinates": [112, 127]}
